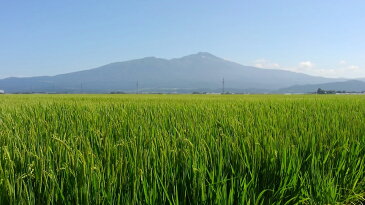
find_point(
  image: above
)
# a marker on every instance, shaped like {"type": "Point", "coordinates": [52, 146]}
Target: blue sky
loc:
{"type": "Point", "coordinates": [325, 38]}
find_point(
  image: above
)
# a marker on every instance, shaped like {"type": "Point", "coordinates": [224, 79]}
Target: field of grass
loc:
{"type": "Point", "coordinates": [182, 149]}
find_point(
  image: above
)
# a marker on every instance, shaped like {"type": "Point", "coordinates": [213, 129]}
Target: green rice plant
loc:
{"type": "Point", "coordinates": [182, 149]}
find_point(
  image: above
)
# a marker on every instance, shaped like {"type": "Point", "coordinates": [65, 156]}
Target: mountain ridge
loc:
{"type": "Point", "coordinates": [196, 71]}
{"type": "Point", "coordinates": [348, 86]}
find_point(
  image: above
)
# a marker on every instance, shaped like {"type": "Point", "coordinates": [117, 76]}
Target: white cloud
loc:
{"type": "Point", "coordinates": [347, 71]}
{"type": "Point", "coordinates": [263, 63]}
{"type": "Point", "coordinates": [342, 62]}
{"type": "Point", "coordinates": [353, 67]}
{"type": "Point", "coordinates": [306, 64]}
{"type": "Point", "coordinates": [343, 70]}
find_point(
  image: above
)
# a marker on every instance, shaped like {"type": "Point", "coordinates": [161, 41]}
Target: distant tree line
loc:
{"type": "Point", "coordinates": [118, 92]}
{"type": "Point", "coordinates": [321, 91]}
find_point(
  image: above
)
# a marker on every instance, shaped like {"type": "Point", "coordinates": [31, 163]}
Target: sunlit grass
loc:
{"type": "Point", "coordinates": [182, 149]}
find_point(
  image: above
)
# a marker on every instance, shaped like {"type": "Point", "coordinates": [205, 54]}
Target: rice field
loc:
{"type": "Point", "coordinates": [182, 149]}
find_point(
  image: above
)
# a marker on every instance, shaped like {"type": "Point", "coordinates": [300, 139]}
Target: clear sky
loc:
{"type": "Point", "coordinates": [318, 37]}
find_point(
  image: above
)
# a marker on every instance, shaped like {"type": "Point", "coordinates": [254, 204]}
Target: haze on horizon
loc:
{"type": "Point", "coordinates": [321, 38]}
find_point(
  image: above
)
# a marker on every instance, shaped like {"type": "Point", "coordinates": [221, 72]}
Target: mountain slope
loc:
{"type": "Point", "coordinates": [197, 71]}
{"type": "Point", "coordinates": [349, 86]}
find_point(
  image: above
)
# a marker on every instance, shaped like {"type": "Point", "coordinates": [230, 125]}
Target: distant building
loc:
{"type": "Point", "coordinates": [2, 92]}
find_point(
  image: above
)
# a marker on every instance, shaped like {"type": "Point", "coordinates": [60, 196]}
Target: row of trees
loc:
{"type": "Point", "coordinates": [321, 91]}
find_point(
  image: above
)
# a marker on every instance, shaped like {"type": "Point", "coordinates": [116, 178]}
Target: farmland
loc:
{"type": "Point", "coordinates": [182, 149]}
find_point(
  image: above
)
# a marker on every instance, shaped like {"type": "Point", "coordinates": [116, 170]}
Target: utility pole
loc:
{"type": "Point", "coordinates": [82, 89]}
{"type": "Point", "coordinates": [137, 87]}
{"type": "Point", "coordinates": [223, 86]}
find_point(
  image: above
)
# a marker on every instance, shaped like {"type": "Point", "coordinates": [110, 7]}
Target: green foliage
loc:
{"type": "Point", "coordinates": [182, 149]}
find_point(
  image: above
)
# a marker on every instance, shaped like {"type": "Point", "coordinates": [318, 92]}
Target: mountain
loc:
{"type": "Point", "coordinates": [201, 71]}
{"type": "Point", "coordinates": [349, 86]}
